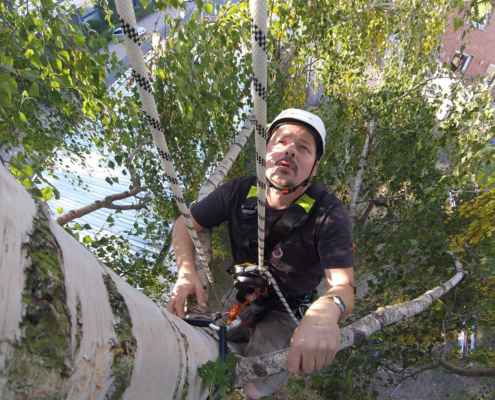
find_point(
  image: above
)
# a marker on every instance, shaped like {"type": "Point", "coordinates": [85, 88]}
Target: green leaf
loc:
{"type": "Point", "coordinates": [47, 3]}
{"type": "Point", "coordinates": [87, 239]}
{"type": "Point", "coordinates": [28, 53]}
{"type": "Point", "coordinates": [5, 97]}
{"type": "Point", "coordinates": [457, 347]}
{"type": "Point", "coordinates": [80, 39]}
{"type": "Point", "coordinates": [8, 68]}
{"type": "Point", "coordinates": [46, 193]}
{"type": "Point", "coordinates": [484, 8]}
{"type": "Point", "coordinates": [459, 4]}
{"type": "Point", "coordinates": [481, 358]}
{"type": "Point", "coordinates": [413, 242]}
{"type": "Point", "coordinates": [65, 55]}
{"type": "Point", "coordinates": [55, 98]}
{"type": "Point", "coordinates": [60, 210]}
{"type": "Point", "coordinates": [457, 23]}
{"type": "Point", "coordinates": [27, 183]}
{"type": "Point", "coordinates": [34, 90]}
{"type": "Point", "coordinates": [22, 117]}
{"type": "Point", "coordinates": [208, 9]}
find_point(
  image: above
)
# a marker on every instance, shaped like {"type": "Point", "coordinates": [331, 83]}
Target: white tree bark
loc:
{"type": "Point", "coordinates": [208, 186]}
{"type": "Point", "coordinates": [119, 343]}
{"type": "Point", "coordinates": [358, 180]}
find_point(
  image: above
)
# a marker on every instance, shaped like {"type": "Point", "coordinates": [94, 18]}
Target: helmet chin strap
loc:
{"type": "Point", "coordinates": [292, 190]}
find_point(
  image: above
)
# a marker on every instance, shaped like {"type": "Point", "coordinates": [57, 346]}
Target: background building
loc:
{"type": "Point", "coordinates": [478, 57]}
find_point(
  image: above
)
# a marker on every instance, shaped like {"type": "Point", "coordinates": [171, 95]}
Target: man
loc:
{"type": "Point", "coordinates": [319, 247]}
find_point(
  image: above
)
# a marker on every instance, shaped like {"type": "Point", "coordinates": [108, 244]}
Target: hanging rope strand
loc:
{"type": "Point", "coordinates": [259, 50]}
{"type": "Point", "coordinates": [145, 88]}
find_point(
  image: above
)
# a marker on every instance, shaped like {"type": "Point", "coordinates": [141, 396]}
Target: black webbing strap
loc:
{"type": "Point", "coordinates": [296, 215]}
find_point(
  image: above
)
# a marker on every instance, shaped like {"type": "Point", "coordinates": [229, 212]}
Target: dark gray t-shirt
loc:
{"type": "Point", "coordinates": [324, 241]}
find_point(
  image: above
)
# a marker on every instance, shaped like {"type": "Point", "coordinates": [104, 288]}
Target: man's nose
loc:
{"type": "Point", "coordinates": [290, 154]}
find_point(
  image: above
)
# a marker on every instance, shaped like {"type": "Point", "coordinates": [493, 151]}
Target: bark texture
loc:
{"type": "Point", "coordinates": [71, 328]}
{"type": "Point", "coordinates": [358, 180]}
{"type": "Point", "coordinates": [474, 373]}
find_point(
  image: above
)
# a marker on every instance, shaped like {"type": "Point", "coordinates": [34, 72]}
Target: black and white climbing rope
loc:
{"type": "Point", "coordinates": [259, 46]}
{"type": "Point", "coordinates": [145, 88]}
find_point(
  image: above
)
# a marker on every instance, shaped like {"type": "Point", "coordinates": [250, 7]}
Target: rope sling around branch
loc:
{"type": "Point", "coordinates": [132, 41]}
{"type": "Point", "coordinates": [259, 45]}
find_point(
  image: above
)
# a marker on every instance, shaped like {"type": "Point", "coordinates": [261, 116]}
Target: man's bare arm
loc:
{"type": "Point", "coordinates": [317, 338]}
{"type": "Point", "coordinates": [188, 281]}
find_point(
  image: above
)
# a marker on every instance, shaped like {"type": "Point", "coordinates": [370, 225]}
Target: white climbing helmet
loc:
{"type": "Point", "coordinates": [305, 119]}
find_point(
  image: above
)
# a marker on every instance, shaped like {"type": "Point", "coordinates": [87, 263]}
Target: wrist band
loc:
{"type": "Point", "coordinates": [338, 301]}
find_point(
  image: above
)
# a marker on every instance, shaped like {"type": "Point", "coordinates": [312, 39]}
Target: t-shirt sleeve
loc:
{"type": "Point", "coordinates": [214, 208]}
{"type": "Point", "coordinates": [335, 239]}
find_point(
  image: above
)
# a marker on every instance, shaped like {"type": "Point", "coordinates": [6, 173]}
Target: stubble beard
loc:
{"type": "Point", "coordinates": [284, 178]}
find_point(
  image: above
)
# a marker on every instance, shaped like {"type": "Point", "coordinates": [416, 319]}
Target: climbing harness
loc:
{"type": "Point", "coordinates": [248, 276]}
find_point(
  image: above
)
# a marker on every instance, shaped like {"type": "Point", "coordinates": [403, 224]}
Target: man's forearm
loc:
{"type": "Point", "coordinates": [326, 307]}
{"type": "Point", "coordinates": [183, 248]}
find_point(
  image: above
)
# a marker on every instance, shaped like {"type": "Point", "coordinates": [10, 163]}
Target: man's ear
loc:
{"type": "Point", "coordinates": [315, 169]}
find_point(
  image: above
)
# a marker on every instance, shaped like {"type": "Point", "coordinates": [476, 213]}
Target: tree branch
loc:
{"type": "Point", "coordinates": [358, 180]}
{"type": "Point", "coordinates": [381, 198]}
{"type": "Point", "coordinates": [383, 226]}
{"type": "Point", "coordinates": [474, 373]}
{"type": "Point", "coordinates": [366, 213]}
{"type": "Point", "coordinates": [354, 334]}
{"type": "Point", "coordinates": [379, 6]}
{"type": "Point", "coordinates": [412, 89]}
{"type": "Point", "coordinates": [210, 184]}
{"type": "Point", "coordinates": [107, 202]}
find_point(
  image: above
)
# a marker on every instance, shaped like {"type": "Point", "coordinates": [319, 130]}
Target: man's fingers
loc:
{"type": "Point", "coordinates": [294, 360]}
{"type": "Point", "coordinates": [179, 306]}
{"type": "Point", "coordinates": [171, 305]}
{"type": "Point", "coordinates": [320, 360]}
{"type": "Point", "coordinates": [308, 362]}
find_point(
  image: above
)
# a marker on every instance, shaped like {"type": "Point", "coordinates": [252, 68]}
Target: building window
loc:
{"type": "Point", "coordinates": [460, 62]}
{"type": "Point", "coordinates": [482, 22]}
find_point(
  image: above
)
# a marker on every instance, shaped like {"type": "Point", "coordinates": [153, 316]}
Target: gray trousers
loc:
{"type": "Point", "coordinates": [270, 333]}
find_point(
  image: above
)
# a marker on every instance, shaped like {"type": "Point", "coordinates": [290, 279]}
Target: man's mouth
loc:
{"type": "Point", "coordinates": [286, 162]}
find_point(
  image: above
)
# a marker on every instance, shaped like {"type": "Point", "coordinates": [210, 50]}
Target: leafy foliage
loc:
{"type": "Point", "coordinates": [215, 373]}
{"type": "Point", "coordinates": [365, 62]}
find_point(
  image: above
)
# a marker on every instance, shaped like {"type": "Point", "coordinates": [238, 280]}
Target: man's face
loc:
{"type": "Point", "coordinates": [290, 156]}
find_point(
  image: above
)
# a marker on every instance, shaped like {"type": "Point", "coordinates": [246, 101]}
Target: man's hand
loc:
{"type": "Point", "coordinates": [314, 344]}
{"type": "Point", "coordinates": [186, 284]}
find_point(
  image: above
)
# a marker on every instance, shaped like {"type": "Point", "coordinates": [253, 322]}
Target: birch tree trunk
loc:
{"type": "Point", "coordinates": [71, 328]}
